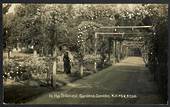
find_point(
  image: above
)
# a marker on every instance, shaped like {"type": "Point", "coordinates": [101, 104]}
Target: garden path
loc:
{"type": "Point", "coordinates": [127, 82]}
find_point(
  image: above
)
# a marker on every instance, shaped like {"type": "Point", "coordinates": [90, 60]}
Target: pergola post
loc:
{"type": "Point", "coordinates": [81, 70]}
{"type": "Point", "coordinates": [35, 53]}
{"type": "Point", "coordinates": [95, 53]}
{"type": "Point", "coordinates": [110, 48]}
{"type": "Point", "coordinates": [54, 73]}
{"type": "Point", "coordinates": [118, 53]}
{"type": "Point", "coordinates": [113, 51]}
{"type": "Point", "coordinates": [81, 63]}
{"type": "Point", "coordinates": [18, 48]}
{"type": "Point", "coordinates": [127, 51]}
{"type": "Point", "coordinates": [121, 50]}
{"type": "Point", "coordinates": [54, 68]}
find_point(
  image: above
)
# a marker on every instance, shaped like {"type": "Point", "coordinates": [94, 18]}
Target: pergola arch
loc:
{"type": "Point", "coordinates": [131, 37]}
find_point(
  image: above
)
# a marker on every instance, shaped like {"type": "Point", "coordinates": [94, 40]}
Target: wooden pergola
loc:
{"type": "Point", "coordinates": [122, 36]}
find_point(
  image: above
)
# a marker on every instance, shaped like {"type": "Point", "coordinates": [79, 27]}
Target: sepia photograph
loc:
{"type": "Point", "coordinates": [85, 53]}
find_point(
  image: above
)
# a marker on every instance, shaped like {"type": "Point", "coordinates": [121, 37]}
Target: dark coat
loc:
{"type": "Point", "coordinates": [67, 66]}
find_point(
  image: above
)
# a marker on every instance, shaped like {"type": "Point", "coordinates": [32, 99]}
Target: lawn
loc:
{"type": "Point", "coordinates": [22, 93]}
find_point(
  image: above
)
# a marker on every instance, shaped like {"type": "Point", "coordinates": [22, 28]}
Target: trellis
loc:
{"type": "Point", "coordinates": [122, 36]}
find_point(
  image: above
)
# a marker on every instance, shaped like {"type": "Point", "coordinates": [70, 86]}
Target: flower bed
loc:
{"type": "Point", "coordinates": [24, 69]}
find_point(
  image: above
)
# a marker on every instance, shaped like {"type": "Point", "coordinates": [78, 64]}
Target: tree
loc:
{"type": "Point", "coordinates": [7, 19]}
{"type": "Point", "coordinates": [55, 26]}
{"type": "Point", "coordinates": [25, 25]}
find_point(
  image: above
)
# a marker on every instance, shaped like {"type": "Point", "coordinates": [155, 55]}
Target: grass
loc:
{"type": "Point", "coordinates": [21, 94]}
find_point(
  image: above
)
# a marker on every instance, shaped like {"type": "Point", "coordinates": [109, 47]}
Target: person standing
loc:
{"type": "Point", "coordinates": [67, 66]}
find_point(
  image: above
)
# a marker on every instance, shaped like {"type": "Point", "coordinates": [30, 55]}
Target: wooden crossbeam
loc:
{"type": "Point", "coordinates": [136, 42]}
{"type": "Point", "coordinates": [101, 33]}
{"type": "Point", "coordinates": [122, 35]}
{"type": "Point", "coordinates": [125, 36]}
{"type": "Point", "coordinates": [127, 27]}
{"type": "Point", "coordinates": [131, 40]}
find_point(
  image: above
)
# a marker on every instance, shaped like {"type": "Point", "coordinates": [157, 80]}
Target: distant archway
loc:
{"type": "Point", "coordinates": [124, 37]}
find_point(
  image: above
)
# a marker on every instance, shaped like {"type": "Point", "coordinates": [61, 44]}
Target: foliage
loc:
{"type": "Point", "coordinates": [158, 47]}
{"type": "Point", "coordinates": [50, 26]}
{"type": "Point", "coordinates": [19, 70]}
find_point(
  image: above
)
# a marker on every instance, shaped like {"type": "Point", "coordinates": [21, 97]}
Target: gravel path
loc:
{"type": "Point", "coordinates": [127, 82]}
